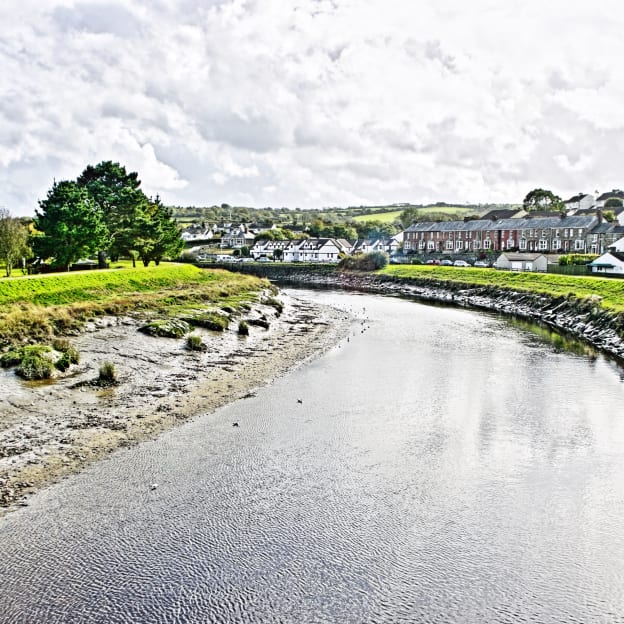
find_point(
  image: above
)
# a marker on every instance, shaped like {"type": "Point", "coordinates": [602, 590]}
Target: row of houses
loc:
{"type": "Point", "coordinates": [554, 234]}
{"type": "Point", "coordinates": [320, 249]}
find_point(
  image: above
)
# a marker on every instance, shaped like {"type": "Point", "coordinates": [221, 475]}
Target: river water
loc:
{"type": "Point", "coordinates": [439, 465]}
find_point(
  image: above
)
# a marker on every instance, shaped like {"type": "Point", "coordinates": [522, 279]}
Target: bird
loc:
{"type": "Point", "coordinates": [153, 486]}
{"type": "Point", "coordinates": [234, 424]}
{"type": "Point", "coordinates": [299, 401]}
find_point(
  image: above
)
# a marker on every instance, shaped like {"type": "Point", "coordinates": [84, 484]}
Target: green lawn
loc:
{"type": "Point", "coordinates": [611, 290]}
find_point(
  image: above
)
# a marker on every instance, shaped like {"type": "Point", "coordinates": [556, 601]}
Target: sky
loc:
{"type": "Point", "coordinates": [313, 103]}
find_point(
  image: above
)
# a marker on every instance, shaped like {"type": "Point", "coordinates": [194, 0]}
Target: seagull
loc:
{"type": "Point", "coordinates": [234, 424]}
{"type": "Point", "coordinates": [299, 401]}
{"type": "Point", "coordinates": [153, 486]}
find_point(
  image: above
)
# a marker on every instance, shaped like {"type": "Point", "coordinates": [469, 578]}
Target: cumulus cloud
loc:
{"type": "Point", "coordinates": [326, 102]}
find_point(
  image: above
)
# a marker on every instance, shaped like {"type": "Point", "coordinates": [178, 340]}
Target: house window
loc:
{"type": "Point", "coordinates": [543, 244]}
{"type": "Point", "coordinates": [556, 244]}
{"type": "Point", "coordinates": [476, 245]}
{"type": "Point", "coordinates": [487, 243]}
{"type": "Point", "coordinates": [523, 243]}
{"type": "Point", "coordinates": [459, 244]}
{"type": "Point", "coordinates": [430, 245]}
{"type": "Point", "coordinates": [565, 233]}
{"type": "Point", "coordinates": [510, 243]}
{"type": "Point", "coordinates": [579, 244]}
{"type": "Point", "coordinates": [449, 244]}
{"type": "Point", "coordinates": [421, 244]}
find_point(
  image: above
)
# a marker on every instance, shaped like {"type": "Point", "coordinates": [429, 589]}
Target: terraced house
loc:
{"type": "Point", "coordinates": [560, 234]}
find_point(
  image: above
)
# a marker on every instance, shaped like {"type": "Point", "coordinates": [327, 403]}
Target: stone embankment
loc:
{"type": "Point", "coordinates": [583, 319]}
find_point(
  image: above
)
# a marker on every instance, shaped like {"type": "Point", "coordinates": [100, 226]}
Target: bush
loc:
{"type": "Point", "coordinates": [576, 259]}
{"type": "Point", "coordinates": [69, 354]}
{"type": "Point", "coordinates": [36, 363]}
{"type": "Point", "coordinates": [365, 262]}
{"type": "Point", "coordinates": [243, 328]}
{"type": "Point", "coordinates": [108, 374]}
{"type": "Point", "coordinates": [194, 342]}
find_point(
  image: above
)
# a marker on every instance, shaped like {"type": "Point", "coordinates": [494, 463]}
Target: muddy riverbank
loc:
{"type": "Point", "coordinates": [51, 429]}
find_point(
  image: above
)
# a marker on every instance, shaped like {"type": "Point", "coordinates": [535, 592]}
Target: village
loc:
{"type": "Point", "coordinates": [513, 239]}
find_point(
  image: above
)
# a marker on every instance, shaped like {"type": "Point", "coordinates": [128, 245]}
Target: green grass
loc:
{"type": "Point", "coordinates": [384, 217]}
{"type": "Point", "coordinates": [40, 308]}
{"type": "Point", "coordinates": [610, 290]}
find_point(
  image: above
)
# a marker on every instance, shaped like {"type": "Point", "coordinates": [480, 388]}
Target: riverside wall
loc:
{"type": "Point", "coordinates": [583, 319]}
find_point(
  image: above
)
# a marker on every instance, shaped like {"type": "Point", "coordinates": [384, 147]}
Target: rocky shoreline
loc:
{"type": "Point", "coordinates": [51, 429]}
{"type": "Point", "coordinates": [581, 319]}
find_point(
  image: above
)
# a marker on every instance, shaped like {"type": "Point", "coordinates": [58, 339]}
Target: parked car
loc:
{"type": "Point", "coordinates": [482, 264]}
{"type": "Point", "coordinates": [433, 261]}
{"type": "Point", "coordinates": [461, 263]}
{"type": "Point", "coordinates": [446, 263]}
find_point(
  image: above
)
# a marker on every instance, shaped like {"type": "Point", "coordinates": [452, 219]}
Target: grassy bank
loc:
{"type": "Point", "coordinates": [610, 290]}
{"type": "Point", "coordinates": [38, 308]}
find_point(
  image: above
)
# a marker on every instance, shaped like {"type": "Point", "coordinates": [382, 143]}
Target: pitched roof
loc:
{"type": "Point", "coordinates": [576, 198]}
{"type": "Point", "coordinates": [614, 193]}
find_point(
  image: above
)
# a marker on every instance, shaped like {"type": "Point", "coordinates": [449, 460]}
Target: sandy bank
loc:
{"type": "Point", "coordinates": [51, 429]}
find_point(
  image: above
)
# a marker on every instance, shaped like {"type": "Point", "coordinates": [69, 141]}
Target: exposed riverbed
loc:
{"type": "Point", "coordinates": [436, 465]}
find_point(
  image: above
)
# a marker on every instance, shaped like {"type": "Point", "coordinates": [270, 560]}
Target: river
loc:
{"type": "Point", "coordinates": [438, 465]}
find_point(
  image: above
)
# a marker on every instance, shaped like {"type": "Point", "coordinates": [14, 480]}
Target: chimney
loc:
{"type": "Point", "coordinates": [599, 215]}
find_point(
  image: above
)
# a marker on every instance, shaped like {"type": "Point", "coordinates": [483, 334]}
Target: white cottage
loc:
{"type": "Point", "coordinates": [522, 262]}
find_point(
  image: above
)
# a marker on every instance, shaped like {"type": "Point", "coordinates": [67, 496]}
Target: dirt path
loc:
{"type": "Point", "coordinates": [49, 430]}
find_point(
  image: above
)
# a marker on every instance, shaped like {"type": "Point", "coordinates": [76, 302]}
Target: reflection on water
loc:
{"type": "Point", "coordinates": [438, 466]}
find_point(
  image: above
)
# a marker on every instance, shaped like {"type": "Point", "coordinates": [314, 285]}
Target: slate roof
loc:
{"type": "Point", "coordinates": [614, 193]}
{"type": "Point", "coordinates": [480, 225]}
{"type": "Point", "coordinates": [576, 198]}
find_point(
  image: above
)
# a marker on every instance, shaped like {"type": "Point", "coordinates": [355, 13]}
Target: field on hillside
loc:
{"type": "Point", "coordinates": [393, 215]}
{"type": "Point", "coordinates": [611, 291]}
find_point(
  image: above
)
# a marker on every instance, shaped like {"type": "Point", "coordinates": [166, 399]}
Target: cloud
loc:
{"type": "Point", "coordinates": [321, 103]}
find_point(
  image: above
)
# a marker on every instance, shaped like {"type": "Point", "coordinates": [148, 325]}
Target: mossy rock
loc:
{"type": "Point", "coordinates": [166, 328]}
{"type": "Point", "coordinates": [259, 322]}
{"type": "Point", "coordinates": [209, 320]}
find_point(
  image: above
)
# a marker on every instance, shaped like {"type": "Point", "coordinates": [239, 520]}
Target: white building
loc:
{"type": "Point", "coordinates": [582, 201]}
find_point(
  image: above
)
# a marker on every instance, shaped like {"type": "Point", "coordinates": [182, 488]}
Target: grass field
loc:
{"type": "Point", "coordinates": [610, 290]}
{"type": "Point", "coordinates": [393, 215]}
{"type": "Point", "coordinates": [37, 308]}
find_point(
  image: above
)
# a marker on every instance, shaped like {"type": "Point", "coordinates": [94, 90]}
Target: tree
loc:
{"type": "Point", "coordinates": [157, 234]}
{"type": "Point", "coordinates": [541, 199]}
{"type": "Point", "coordinates": [70, 225]}
{"type": "Point", "coordinates": [118, 195]}
{"type": "Point", "coordinates": [613, 202]}
{"type": "Point", "coordinates": [408, 216]}
{"type": "Point", "coordinates": [13, 240]}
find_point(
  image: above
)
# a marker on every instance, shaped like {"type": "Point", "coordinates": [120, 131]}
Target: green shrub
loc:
{"type": "Point", "coordinates": [36, 362]}
{"type": "Point", "coordinates": [194, 342]}
{"type": "Point", "coordinates": [243, 328]}
{"type": "Point", "coordinates": [108, 374]}
{"type": "Point", "coordinates": [365, 262]}
{"type": "Point", "coordinates": [11, 358]}
{"type": "Point", "coordinates": [69, 354]}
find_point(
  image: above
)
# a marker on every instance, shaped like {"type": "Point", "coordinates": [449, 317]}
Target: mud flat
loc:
{"type": "Point", "coordinates": [51, 429]}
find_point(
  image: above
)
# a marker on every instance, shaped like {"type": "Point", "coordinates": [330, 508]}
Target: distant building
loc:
{"type": "Point", "coordinates": [582, 201]}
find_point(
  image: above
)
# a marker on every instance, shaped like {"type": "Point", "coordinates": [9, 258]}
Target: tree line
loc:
{"type": "Point", "coordinates": [103, 211]}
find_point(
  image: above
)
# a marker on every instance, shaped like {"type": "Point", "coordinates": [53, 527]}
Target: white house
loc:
{"type": "Point", "coordinates": [612, 262]}
{"type": "Point", "coordinates": [582, 201]}
{"type": "Point", "coordinates": [302, 250]}
{"type": "Point", "coordinates": [522, 262]}
{"type": "Point", "coordinates": [605, 197]}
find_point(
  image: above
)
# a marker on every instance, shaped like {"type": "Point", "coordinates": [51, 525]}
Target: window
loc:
{"type": "Point", "coordinates": [556, 244]}
{"type": "Point", "coordinates": [565, 233]}
{"type": "Point", "coordinates": [421, 244]}
{"type": "Point", "coordinates": [543, 244]}
{"type": "Point", "coordinates": [430, 245]}
{"type": "Point", "coordinates": [459, 245]}
{"type": "Point", "coordinates": [510, 243]}
{"type": "Point", "coordinates": [579, 244]}
{"type": "Point", "coordinates": [523, 243]}
{"type": "Point", "coordinates": [487, 243]}
{"type": "Point", "coordinates": [476, 245]}
{"type": "Point", "coordinates": [449, 244]}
